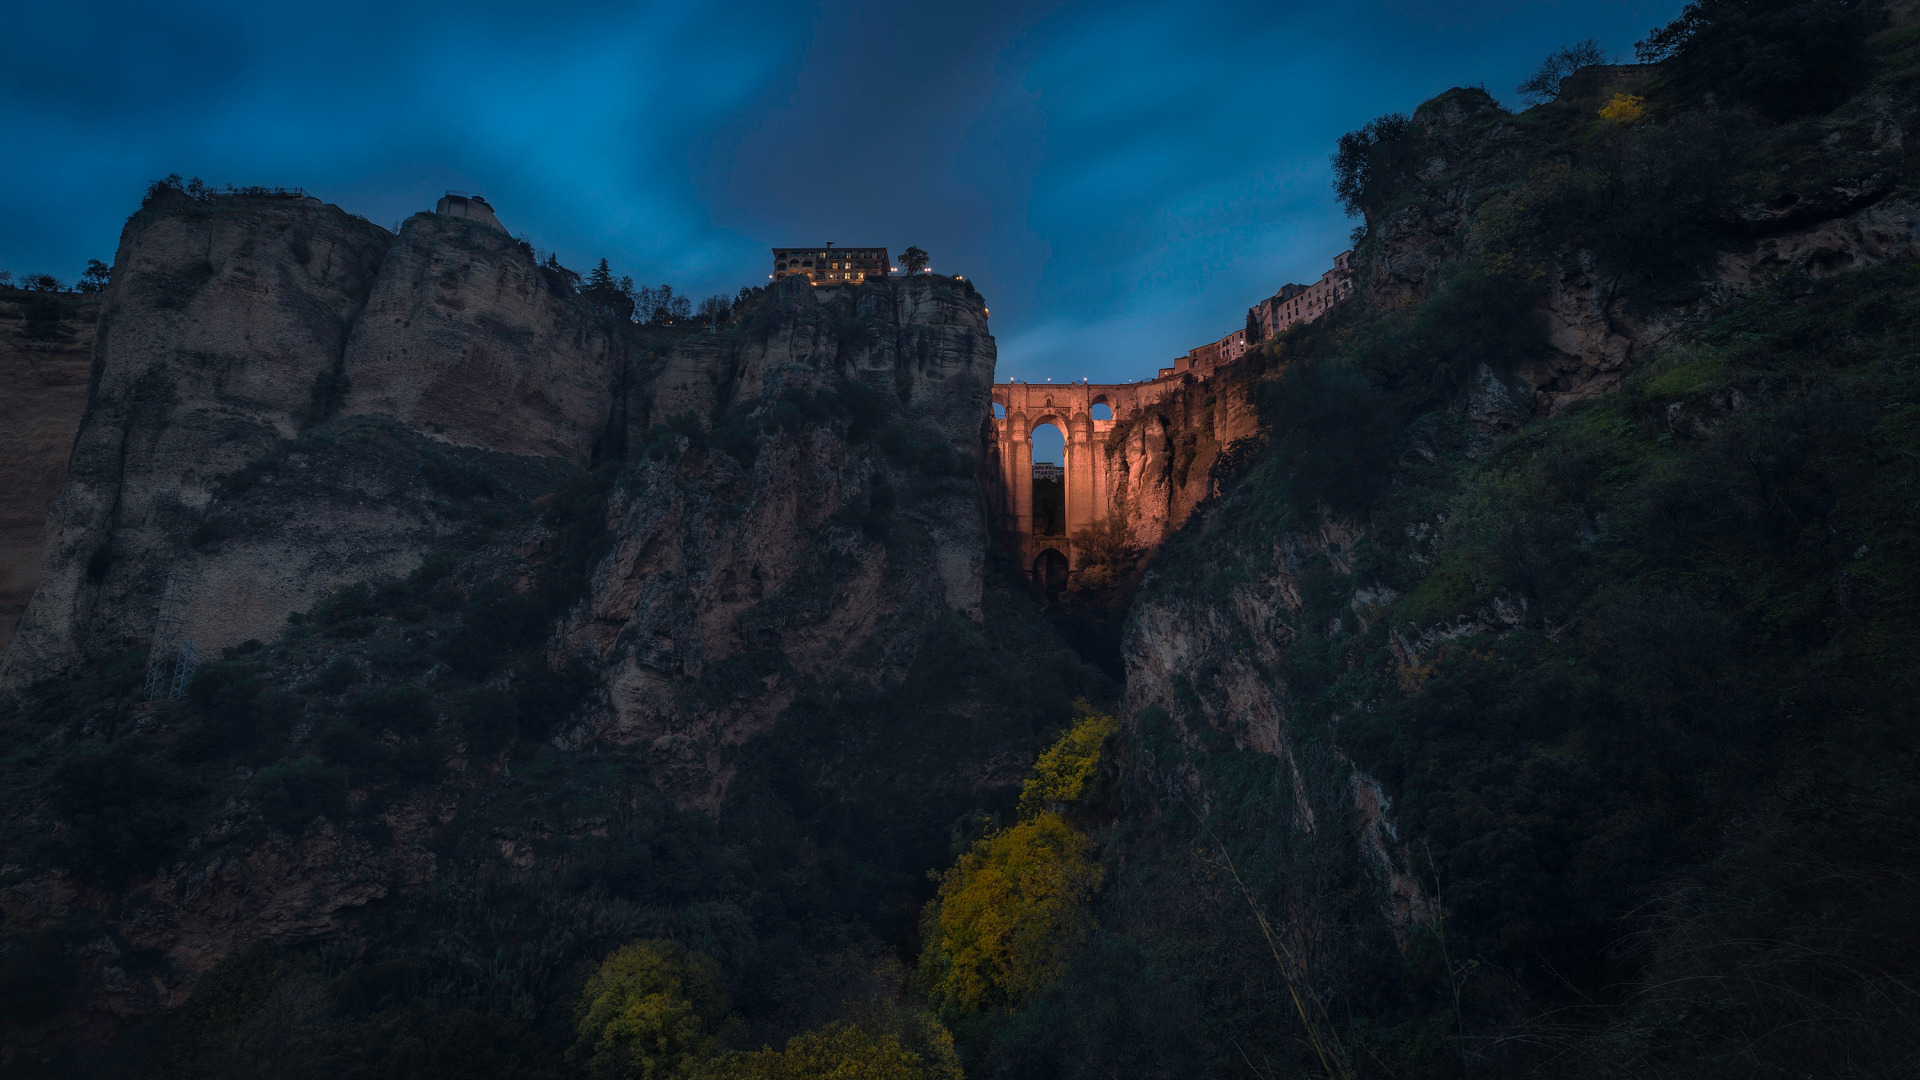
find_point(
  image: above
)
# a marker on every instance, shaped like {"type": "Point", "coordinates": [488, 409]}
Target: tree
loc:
{"type": "Point", "coordinates": [839, 1051]}
{"type": "Point", "coordinates": [914, 260]}
{"type": "Point", "coordinates": [715, 310]}
{"type": "Point", "coordinates": [563, 279]}
{"type": "Point", "coordinates": [6, 279]}
{"type": "Point", "coordinates": [96, 277]}
{"type": "Point", "coordinates": [612, 298]}
{"type": "Point", "coordinates": [1008, 916]}
{"type": "Point", "coordinates": [41, 283]}
{"type": "Point", "coordinates": [649, 1012]}
{"type": "Point", "coordinates": [1068, 772]}
{"type": "Point", "coordinates": [1014, 908]}
{"type": "Point", "coordinates": [1783, 57]}
{"type": "Point", "coordinates": [1544, 85]}
{"type": "Point", "coordinates": [1365, 161]}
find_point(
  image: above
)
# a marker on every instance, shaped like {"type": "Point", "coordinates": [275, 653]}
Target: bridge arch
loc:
{"type": "Point", "coordinates": [1050, 570]}
{"type": "Point", "coordinates": [1019, 409]}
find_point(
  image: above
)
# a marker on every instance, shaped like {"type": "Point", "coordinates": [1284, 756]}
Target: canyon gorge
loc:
{"type": "Point", "coordinates": [1500, 674]}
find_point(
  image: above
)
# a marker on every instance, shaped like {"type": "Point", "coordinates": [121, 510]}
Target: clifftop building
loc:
{"type": "Point", "coordinates": [1305, 303]}
{"type": "Point", "coordinates": [1292, 304]}
{"type": "Point", "coordinates": [473, 207]}
{"type": "Point", "coordinates": [825, 265]}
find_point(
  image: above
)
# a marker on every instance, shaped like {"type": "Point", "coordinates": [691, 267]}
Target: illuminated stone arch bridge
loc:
{"type": "Point", "coordinates": [1019, 409]}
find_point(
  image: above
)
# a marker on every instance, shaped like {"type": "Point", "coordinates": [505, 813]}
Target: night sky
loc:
{"type": "Point", "coordinates": [1121, 181]}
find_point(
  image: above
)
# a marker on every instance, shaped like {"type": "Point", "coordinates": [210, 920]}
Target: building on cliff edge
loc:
{"type": "Point", "coordinates": [1292, 304]}
{"type": "Point", "coordinates": [472, 207]}
{"type": "Point", "coordinates": [825, 266]}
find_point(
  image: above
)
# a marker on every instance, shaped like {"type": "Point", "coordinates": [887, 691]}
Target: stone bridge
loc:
{"type": "Point", "coordinates": [1019, 409]}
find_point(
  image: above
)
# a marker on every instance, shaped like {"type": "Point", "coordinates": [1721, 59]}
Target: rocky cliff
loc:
{"type": "Point", "coordinates": [467, 339]}
{"type": "Point", "coordinates": [221, 330]}
{"type": "Point", "coordinates": [446, 535]}
{"type": "Point", "coordinates": [1484, 687]}
{"type": "Point", "coordinates": [1170, 456]}
{"type": "Point", "coordinates": [46, 347]}
{"type": "Point", "coordinates": [738, 580]}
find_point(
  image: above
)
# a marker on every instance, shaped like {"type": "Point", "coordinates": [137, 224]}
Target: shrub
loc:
{"type": "Point", "coordinates": [650, 1010]}
{"type": "Point", "coordinates": [1008, 916]}
{"type": "Point", "coordinates": [406, 710]}
{"type": "Point", "coordinates": [225, 700]}
{"type": "Point", "coordinates": [293, 793]}
{"type": "Point", "coordinates": [37, 979]}
{"type": "Point", "coordinates": [842, 1051]}
{"type": "Point", "coordinates": [124, 816]}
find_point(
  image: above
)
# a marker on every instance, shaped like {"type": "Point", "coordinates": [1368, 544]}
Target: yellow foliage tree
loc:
{"type": "Point", "coordinates": [1008, 916]}
{"type": "Point", "coordinates": [1069, 770]}
{"type": "Point", "coordinates": [839, 1052]}
{"type": "Point", "coordinates": [1624, 109]}
{"type": "Point", "coordinates": [649, 1013]}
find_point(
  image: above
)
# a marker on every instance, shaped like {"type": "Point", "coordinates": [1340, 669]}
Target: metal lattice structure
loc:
{"type": "Point", "coordinates": [171, 661]}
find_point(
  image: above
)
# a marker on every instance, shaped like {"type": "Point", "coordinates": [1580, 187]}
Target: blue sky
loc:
{"type": "Point", "coordinates": [1121, 180]}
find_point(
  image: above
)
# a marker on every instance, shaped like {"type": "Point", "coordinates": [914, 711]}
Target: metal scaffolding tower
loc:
{"type": "Point", "coordinates": [170, 659]}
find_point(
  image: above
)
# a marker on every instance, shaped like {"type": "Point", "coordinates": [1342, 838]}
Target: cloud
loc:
{"type": "Point", "coordinates": [1122, 180]}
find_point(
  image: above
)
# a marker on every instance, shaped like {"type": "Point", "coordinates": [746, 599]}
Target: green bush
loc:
{"type": "Point", "coordinates": [227, 713]}
{"type": "Point", "coordinates": [125, 816]}
{"type": "Point", "coordinates": [37, 980]}
{"type": "Point", "coordinates": [292, 793]}
{"type": "Point", "coordinates": [406, 710]}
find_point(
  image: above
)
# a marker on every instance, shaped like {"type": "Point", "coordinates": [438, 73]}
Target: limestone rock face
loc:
{"type": "Point", "coordinates": [225, 322]}
{"type": "Point", "coordinates": [1241, 642]}
{"type": "Point", "coordinates": [1160, 462]}
{"type": "Point", "coordinates": [466, 340]}
{"type": "Point", "coordinates": [46, 348]}
{"type": "Point", "coordinates": [732, 588]}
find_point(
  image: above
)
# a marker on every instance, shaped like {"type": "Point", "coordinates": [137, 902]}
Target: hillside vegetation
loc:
{"type": "Point", "coordinates": [1532, 699]}
{"type": "Point", "coordinates": [1626, 679]}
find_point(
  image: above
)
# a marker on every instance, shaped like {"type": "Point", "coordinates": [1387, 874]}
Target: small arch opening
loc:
{"type": "Point", "coordinates": [1050, 571]}
{"type": "Point", "coordinates": [1102, 411]}
{"type": "Point", "coordinates": [999, 411]}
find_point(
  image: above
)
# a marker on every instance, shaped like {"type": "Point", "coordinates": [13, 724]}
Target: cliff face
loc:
{"type": "Point", "coordinates": [211, 341]}
{"type": "Point", "coordinates": [1476, 178]}
{"type": "Point", "coordinates": [46, 346]}
{"type": "Point", "coordinates": [733, 586]}
{"type": "Point", "coordinates": [466, 339]}
{"type": "Point", "coordinates": [287, 401]}
{"type": "Point", "coordinates": [1162, 460]}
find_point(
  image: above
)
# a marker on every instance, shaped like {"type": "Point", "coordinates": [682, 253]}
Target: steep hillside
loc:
{"type": "Point", "coordinates": [1529, 704]}
{"type": "Point", "coordinates": [523, 631]}
{"type": "Point", "coordinates": [44, 354]}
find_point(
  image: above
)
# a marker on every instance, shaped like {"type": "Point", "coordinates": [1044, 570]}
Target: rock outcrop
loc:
{"type": "Point", "coordinates": [1161, 461]}
{"type": "Point", "coordinates": [46, 347]}
{"type": "Point", "coordinates": [224, 325]}
{"type": "Point", "coordinates": [468, 340]}
{"type": "Point", "coordinates": [734, 586]}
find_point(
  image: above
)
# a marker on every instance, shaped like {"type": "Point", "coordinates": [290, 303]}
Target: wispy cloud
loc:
{"type": "Point", "coordinates": [1122, 180]}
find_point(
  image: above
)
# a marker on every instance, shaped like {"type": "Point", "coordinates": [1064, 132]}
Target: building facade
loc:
{"type": "Point", "coordinates": [828, 265]}
{"type": "Point", "coordinates": [1305, 303]}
